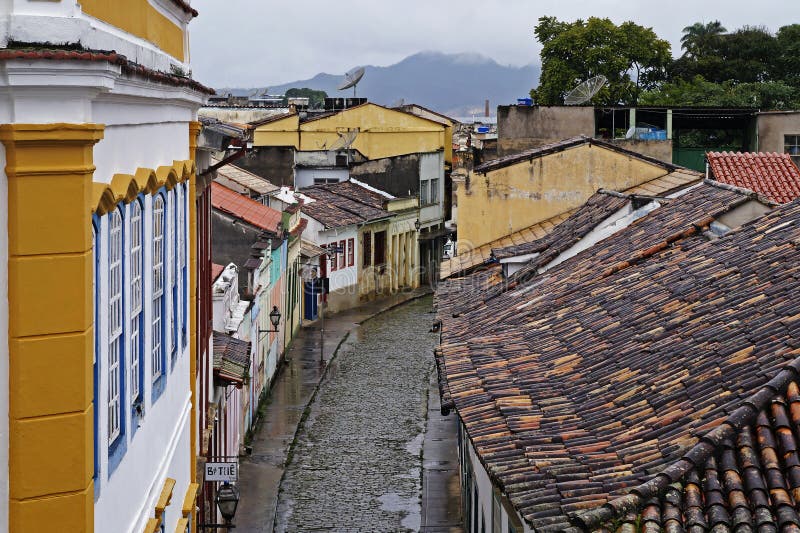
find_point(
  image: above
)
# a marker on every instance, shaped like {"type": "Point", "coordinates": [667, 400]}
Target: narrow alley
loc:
{"type": "Point", "coordinates": [356, 461]}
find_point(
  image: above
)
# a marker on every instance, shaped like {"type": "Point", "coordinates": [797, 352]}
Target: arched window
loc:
{"type": "Point", "coordinates": [114, 325]}
{"type": "Point", "coordinates": [136, 291]}
{"type": "Point", "coordinates": [159, 220]}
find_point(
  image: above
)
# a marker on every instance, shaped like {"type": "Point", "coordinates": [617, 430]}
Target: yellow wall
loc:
{"type": "Point", "coordinates": [509, 199]}
{"type": "Point", "coordinates": [142, 20]}
{"type": "Point", "coordinates": [382, 132]}
{"type": "Point", "coordinates": [49, 170]}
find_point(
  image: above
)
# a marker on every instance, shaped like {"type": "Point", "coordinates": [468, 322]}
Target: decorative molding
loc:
{"type": "Point", "coordinates": [125, 187]}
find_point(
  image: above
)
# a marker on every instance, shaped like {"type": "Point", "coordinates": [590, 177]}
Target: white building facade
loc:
{"type": "Point", "coordinates": [99, 175]}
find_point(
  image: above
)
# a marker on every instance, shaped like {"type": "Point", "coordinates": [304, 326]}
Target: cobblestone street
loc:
{"type": "Point", "coordinates": [357, 463]}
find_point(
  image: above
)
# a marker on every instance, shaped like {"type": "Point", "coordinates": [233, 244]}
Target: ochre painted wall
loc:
{"type": "Point", "coordinates": [49, 168]}
{"type": "Point", "coordinates": [142, 20]}
{"type": "Point", "coordinates": [382, 132]}
{"type": "Point", "coordinates": [509, 199]}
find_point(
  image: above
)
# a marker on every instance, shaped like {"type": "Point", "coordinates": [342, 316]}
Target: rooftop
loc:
{"type": "Point", "coordinates": [632, 366]}
{"type": "Point", "coordinates": [231, 358]}
{"type": "Point", "coordinates": [560, 146]}
{"type": "Point", "coordinates": [467, 260]}
{"type": "Point", "coordinates": [344, 203]}
{"type": "Point", "coordinates": [241, 207]}
{"type": "Point", "coordinates": [246, 179]}
{"type": "Point", "coordinates": [771, 174]}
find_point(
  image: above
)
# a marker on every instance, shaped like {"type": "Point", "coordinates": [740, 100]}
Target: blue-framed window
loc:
{"type": "Point", "coordinates": [173, 277]}
{"type": "Point", "coordinates": [183, 234]}
{"type": "Point", "coordinates": [136, 297]}
{"type": "Point", "coordinates": [158, 348]}
{"type": "Point", "coordinates": [115, 364]}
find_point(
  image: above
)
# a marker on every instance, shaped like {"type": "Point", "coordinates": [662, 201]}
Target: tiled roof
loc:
{"type": "Point", "coordinates": [597, 376]}
{"type": "Point", "coordinates": [559, 146]}
{"type": "Point", "coordinates": [231, 358]}
{"type": "Point", "coordinates": [244, 208]}
{"type": "Point", "coordinates": [128, 67]}
{"type": "Point", "coordinates": [185, 7]}
{"type": "Point", "coordinates": [247, 179]}
{"type": "Point", "coordinates": [771, 174]}
{"type": "Point", "coordinates": [470, 259]}
{"type": "Point", "coordinates": [343, 204]}
{"type": "Point", "coordinates": [597, 208]}
{"type": "Point", "coordinates": [216, 270]}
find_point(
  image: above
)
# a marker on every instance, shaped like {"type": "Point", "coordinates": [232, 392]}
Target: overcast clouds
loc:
{"type": "Point", "coordinates": [248, 43]}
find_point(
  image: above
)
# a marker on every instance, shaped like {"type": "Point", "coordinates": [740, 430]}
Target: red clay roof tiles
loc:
{"type": "Point", "coordinates": [651, 362]}
{"type": "Point", "coordinates": [216, 270]}
{"type": "Point", "coordinates": [771, 174]}
{"type": "Point", "coordinates": [248, 210]}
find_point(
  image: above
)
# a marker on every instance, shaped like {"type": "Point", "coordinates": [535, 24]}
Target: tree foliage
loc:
{"type": "Point", "coordinates": [747, 67]}
{"type": "Point", "coordinates": [700, 92]}
{"type": "Point", "coordinates": [630, 56]}
{"type": "Point", "coordinates": [316, 99]}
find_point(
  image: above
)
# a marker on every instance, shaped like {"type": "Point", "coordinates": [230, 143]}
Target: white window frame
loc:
{"type": "Point", "coordinates": [792, 148]}
{"type": "Point", "coordinates": [159, 219]}
{"type": "Point", "coordinates": [115, 318]}
{"type": "Point", "coordinates": [434, 190]}
{"type": "Point", "coordinates": [173, 270]}
{"type": "Point", "coordinates": [136, 297]}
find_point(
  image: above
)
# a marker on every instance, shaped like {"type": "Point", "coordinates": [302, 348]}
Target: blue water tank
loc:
{"type": "Point", "coordinates": [525, 101]}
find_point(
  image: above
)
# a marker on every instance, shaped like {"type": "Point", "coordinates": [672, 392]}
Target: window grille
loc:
{"type": "Point", "coordinates": [114, 324]}
{"type": "Point", "coordinates": [158, 284]}
{"type": "Point", "coordinates": [136, 299]}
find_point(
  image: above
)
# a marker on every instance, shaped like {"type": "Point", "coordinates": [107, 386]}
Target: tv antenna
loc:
{"type": "Point", "coordinates": [351, 79]}
{"type": "Point", "coordinates": [345, 140]}
{"type": "Point", "coordinates": [585, 91]}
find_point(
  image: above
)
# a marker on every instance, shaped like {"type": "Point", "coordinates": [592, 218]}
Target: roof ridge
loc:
{"type": "Point", "coordinates": [707, 444]}
{"type": "Point", "coordinates": [751, 194]}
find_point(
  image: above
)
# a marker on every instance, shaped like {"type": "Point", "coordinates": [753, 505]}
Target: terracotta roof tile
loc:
{"type": "Point", "coordinates": [343, 204]}
{"type": "Point", "coordinates": [128, 67]}
{"type": "Point", "coordinates": [216, 270]}
{"type": "Point", "coordinates": [470, 259]}
{"type": "Point", "coordinates": [231, 358]}
{"type": "Point", "coordinates": [644, 382]}
{"type": "Point", "coordinates": [244, 208]}
{"type": "Point", "coordinates": [771, 174]}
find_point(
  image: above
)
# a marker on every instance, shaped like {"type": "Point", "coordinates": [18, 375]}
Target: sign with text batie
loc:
{"type": "Point", "coordinates": [222, 471]}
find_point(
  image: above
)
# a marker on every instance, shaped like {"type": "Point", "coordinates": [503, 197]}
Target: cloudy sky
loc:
{"type": "Point", "coordinates": [246, 43]}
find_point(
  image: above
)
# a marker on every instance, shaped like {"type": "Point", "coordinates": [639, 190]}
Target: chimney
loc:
{"type": "Point", "coordinates": [487, 108]}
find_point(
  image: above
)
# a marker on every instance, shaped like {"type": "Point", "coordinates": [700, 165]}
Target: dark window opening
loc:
{"type": "Point", "coordinates": [367, 249]}
{"type": "Point", "coordinates": [380, 248]}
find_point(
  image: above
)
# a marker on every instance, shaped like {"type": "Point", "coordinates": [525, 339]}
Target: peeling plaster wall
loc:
{"type": "Point", "coordinates": [506, 200]}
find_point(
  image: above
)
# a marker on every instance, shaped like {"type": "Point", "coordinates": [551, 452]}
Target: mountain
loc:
{"type": "Point", "coordinates": [453, 84]}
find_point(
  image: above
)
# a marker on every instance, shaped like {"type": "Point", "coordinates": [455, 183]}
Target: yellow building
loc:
{"type": "Point", "coordinates": [506, 195]}
{"type": "Point", "coordinates": [98, 252]}
{"type": "Point", "coordinates": [382, 132]}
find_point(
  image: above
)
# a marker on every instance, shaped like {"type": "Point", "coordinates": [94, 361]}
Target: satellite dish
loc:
{"type": "Point", "coordinates": [585, 91]}
{"type": "Point", "coordinates": [345, 140]}
{"type": "Point", "coordinates": [351, 79]}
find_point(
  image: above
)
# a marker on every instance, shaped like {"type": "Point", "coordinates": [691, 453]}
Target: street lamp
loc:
{"type": "Point", "coordinates": [227, 501]}
{"type": "Point", "coordinates": [275, 319]}
{"type": "Point", "coordinates": [417, 225]}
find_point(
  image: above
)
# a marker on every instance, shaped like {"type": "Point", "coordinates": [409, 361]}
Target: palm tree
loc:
{"type": "Point", "coordinates": [698, 37]}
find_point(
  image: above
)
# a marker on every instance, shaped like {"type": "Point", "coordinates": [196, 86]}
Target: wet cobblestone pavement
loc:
{"type": "Point", "coordinates": [357, 462]}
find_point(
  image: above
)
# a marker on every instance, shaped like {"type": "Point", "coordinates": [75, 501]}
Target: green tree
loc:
{"type": "Point", "coordinates": [630, 56]}
{"type": "Point", "coordinates": [785, 66]}
{"type": "Point", "coordinates": [729, 93]}
{"type": "Point", "coordinates": [698, 37]}
{"type": "Point", "coordinates": [316, 99]}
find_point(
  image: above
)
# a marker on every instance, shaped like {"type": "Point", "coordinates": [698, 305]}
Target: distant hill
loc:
{"type": "Point", "coordinates": [453, 84]}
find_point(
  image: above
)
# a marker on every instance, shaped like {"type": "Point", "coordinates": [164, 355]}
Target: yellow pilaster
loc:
{"type": "Point", "coordinates": [194, 352]}
{"type": "Point", "coordinates": [49, 169]}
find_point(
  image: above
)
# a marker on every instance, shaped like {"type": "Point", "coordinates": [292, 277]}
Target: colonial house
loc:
{"type": "Point", "coordinates": [98, 254]}
{"type": "Point", "coordinates": [247, 184]}
{"type": "Point", "coordinates": [375, 234]}
{"type": "Point", "coordinates": [402, 153]}
{"type": "Point", "coordinates": [250, 235]}
{"type": "Point", "coordinates": [637, 373]}
{"type": "Point", "coordinates": [523, 196]}
{"type": "Point", "coordinates": [233, 363]}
